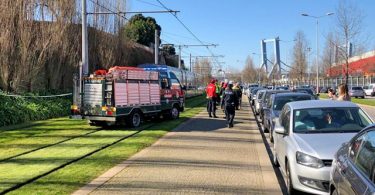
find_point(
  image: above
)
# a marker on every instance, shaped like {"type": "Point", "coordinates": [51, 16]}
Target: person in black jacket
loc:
{"type": "Point", "coordinates": [238, 92]}
{"type": "Point", "coordinates": [229, 101]}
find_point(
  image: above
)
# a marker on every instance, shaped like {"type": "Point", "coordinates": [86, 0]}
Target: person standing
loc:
{"type": "Point", "coordinates": [229, 101]}
{"type": "Point", "coordinates": [211, 97]}
{"type": "Point", "coordinates": [343, 94]}
{"type": "Point", "coordinates": [238, 92]}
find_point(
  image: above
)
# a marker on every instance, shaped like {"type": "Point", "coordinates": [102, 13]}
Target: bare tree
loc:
{"type": "Point", "coordinates": [203, 67]}
{"type": "Point", "coordinates": [329, 57]}
{"type": "Point", "coordinates": [249, 74]}
{"type": "Point", "coordinates": [349, 26]}
{"type": "Point", "coordinates": [299, 64]}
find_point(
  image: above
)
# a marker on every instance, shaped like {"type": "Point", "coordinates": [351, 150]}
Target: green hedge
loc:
{"type": "Point", "coordinates": [15, 110]}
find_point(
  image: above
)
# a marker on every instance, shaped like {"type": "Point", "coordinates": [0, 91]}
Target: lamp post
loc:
{"type": "Point", "coordinates": [317, 44]}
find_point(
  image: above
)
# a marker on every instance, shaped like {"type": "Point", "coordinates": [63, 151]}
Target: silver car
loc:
{"type": "Point", "coordinates": [357, 92]}
{"type": "Point", "coordinates": [272, 111]}
{"type": "Point", "coordinates": [306, 137]}
{"type": "Point", "coordinates": [258, 100]}
{"type": "Point", "coordinates": [353, 169]}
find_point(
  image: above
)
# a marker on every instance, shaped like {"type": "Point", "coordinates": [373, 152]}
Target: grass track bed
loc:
{"type": "Point", "coordinates": [73, 176]}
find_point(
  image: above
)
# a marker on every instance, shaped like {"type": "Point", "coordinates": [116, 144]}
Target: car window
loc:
{"type": "Point", "coordinates": [328, 120]}
{"type": "Point", "coordinates": [355, 146]}
{"type": "Point", "coordinates": [365, 160]}
{"type": "Point", "coordinates": [165, 83]}
{"type": "Point", "coordinates": [357, 88]}
{"type": "Point", "coordinates": [365, 87]}
{"type": "Point", "coordinates": [175, 84]}
{"type": "Point", "coordinates": [284, 118]}
{"type": "Point", "coordinates": [282, 100]}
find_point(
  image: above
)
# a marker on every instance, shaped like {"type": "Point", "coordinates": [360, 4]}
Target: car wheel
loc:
{"type": "Point", "coordinates": [289, 183]}
{"type": "Point", "coordinates": [271, 136]}
{"type": "Point", "coordinates": [363, 97]}
{"type": "Point", "coordinates": [274, 159]}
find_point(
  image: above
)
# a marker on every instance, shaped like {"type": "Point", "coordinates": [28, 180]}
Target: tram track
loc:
{"type": "Point", "coordinates": [61, 166]}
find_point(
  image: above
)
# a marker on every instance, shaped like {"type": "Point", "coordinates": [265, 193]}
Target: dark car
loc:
{"type": "Point", "coordinates": [353, 169]}
{"type": "Point", "coordinates": [306, 90]}
{"type": "Point", "coordinates": [272, 111]}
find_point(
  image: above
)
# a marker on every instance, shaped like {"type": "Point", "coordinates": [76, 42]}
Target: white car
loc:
{"type": "Point", "coordinates": [369, 89]}
{"type": "Point", "coordinates": [306, 137]}
{"type": "Point", "coordinates": [258, 100]}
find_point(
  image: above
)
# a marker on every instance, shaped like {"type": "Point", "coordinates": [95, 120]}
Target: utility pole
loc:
{"type": "Point", "coordinates": [156, 45]}
{"type": "Point", "coordinates": [85, 48]}
{"type": "Point", "coordinates": [190, 62]}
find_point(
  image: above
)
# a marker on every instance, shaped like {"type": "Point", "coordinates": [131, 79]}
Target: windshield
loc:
{"type": "Point", "coordinates": [260, 95]}
{"type": "Point", "coordinates": [357, 88]}
{"type": "Point", "coordinates": [281, 101]}
{"type": "Point", "coordinates": [326, 120]}
{"type": "Point", "coordinates": [305, 90]}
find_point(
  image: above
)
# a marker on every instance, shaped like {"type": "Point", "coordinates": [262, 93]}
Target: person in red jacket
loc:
{"type": "Point", "coordinates": [211, 99]}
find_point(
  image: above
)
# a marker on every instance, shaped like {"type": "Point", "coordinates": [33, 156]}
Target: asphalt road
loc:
{"type": "Point", "coordinates": [370, 110]}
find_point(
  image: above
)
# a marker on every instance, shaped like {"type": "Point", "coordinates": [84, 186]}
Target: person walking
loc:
{"type": "Point", "coordinates": [229, 101]}
{"type": "Point", "coordinates": [211, 97]}
{"type": "Point", "coordinates": [237, 90]}
{"type": "Point", "coordinates": [343, 94]}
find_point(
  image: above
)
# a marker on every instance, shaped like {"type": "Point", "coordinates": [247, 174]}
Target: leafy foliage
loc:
{"type": "Point", "coordinates": [15, 110]}
{"type": "Point", "coordinates": [169, 49]}
{"type": "Point", "coordinates": [141, 29]}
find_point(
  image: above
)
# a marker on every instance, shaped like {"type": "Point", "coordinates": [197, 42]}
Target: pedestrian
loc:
{"type": "Point", "coordinates": [237, 90]}
{"type": "Point", "coordinates": [211, 97]}
{"type": "Point", "coordinates": [218, 89]}
{"type": "Point", "coordinates": [229, 101]}
{"type": "Point", "coordinates": [343, 94]}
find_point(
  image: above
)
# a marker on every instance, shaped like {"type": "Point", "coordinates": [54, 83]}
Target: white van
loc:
{"type": "Point", "coordinates": [369, 89]}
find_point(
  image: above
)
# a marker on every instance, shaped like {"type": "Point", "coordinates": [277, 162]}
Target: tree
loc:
{"type": "Point", "coordinates": [203, 67]}
{"type": "Point", "coordinates": [328, 54]}
{"type": "Point", "coordinates": [169, 50]}
{"type": "Point", "coordinates": [249, 74]}
{"type": "Point", "coordinates": [348, 28]}
{"type": "Point", "coordinates": [141, 29]}
{"type": "Point", "coordinates": [299, 64]}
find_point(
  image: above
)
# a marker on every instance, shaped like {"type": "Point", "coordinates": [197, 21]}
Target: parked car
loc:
{"type": "Point", "coordinates": [324, 90]}
{"type": "Point", "coordinates": [306, 137]}
{"type": "Point", "coordinates": [258, 100]}
{"type": "Point", "coordinates": [356, 91]}
{"type": "Point", "coordinates": [308, 91]}
{"type": "Point", "coordinates": [253, 94]}
{"type": "Point", "coordinates": [272, 111]}
{"type": "Point", "coordinates": [370, 89]}
{"type": "Point", "coordinates": [353, 170]}
{"type": "Point", "coordinates": [267, 98]}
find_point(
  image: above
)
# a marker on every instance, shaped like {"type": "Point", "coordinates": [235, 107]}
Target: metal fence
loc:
{"type": "Point", "coordinates": [330, 82]}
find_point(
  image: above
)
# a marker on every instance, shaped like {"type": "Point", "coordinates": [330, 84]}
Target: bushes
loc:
{"type": "Point", "coordinates": [15, 110]}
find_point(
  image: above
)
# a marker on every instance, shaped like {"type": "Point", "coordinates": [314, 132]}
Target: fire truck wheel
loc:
{"type": "Point", "coordinates": [175, 112]}
{"type": "Point", "coordinates": [134, 119]}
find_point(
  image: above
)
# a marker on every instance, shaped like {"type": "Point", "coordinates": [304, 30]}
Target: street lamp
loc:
{"type": "Point", "coordinates": [317, 44]}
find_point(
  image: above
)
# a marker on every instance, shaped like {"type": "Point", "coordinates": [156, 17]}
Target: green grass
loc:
{"type": "Point", "coordinates": [71, 177]}
{"type": "Point", "coordinates": [369, 102]}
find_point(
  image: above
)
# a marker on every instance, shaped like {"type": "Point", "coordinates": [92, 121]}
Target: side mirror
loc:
{"type": "Point", "coordinates": [279, 129]}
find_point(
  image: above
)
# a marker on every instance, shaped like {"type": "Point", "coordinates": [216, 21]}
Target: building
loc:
{"type": "Point", "coordinates": [361, 65]}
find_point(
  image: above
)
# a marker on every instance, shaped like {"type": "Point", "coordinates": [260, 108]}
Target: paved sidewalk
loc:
{"type": "Point", "coordinates": [201, 156]}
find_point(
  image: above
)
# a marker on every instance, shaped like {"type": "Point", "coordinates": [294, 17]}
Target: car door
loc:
{"type": "Point", "coordinates": [282, 139]}
{"type": "Point", "coordinates": [351, 183]}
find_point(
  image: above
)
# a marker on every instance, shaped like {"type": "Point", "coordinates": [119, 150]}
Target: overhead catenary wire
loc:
{"type": "Point", "coordinates": [187, 28]}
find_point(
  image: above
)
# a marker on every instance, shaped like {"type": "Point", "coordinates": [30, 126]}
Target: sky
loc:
{"type": "Point", "coordinates": [238, 26]}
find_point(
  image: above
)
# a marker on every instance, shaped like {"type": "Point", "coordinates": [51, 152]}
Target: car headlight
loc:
{"type": "Point", "coordinates": [308, 160]}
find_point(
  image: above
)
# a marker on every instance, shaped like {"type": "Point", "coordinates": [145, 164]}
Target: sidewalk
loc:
{"type": "Point", "coordinates": [201, 156]}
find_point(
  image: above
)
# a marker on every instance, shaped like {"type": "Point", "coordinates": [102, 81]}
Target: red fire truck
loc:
{"type": "Point", "coordinates": [126, 95]}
